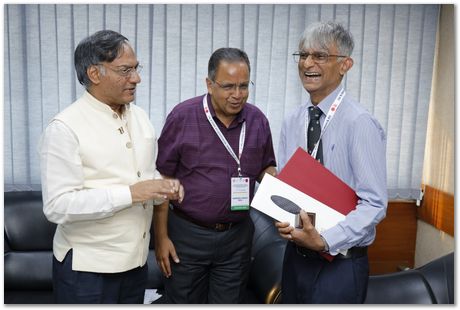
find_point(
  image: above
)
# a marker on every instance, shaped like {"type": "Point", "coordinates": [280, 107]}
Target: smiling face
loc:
{"type": "Point", "coordinates": [110, 85]}
{"type": "Point", "coordinates": [227, 103]}
{"type": "Point", "coordinates": [319, 80]}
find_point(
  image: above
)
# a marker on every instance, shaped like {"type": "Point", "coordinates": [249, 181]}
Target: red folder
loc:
{"type": "Point", "coordinates": [307, 175]}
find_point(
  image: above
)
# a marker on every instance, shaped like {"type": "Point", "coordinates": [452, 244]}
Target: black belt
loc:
{"type": "Point", "coordinates": [215, 226]}
{"type": "Point", "coordinates": [354, 252]}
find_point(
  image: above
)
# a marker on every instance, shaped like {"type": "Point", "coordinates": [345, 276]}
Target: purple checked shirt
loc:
{"type": "Point", "coordinates": [190, 150]}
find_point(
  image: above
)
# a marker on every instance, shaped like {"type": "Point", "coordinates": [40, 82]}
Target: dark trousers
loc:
{"type": "Point", "coordinates": [213, 266]}
{"type": "Point", "coordinates": [317, 281]}
{"type": "Point", "coordinates": [78, 287]}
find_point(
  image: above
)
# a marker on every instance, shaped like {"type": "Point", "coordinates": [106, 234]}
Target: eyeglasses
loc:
{"type": "Point", "coordinates": [317, 57]}
{"type": "Point", "coordinates": [125, 71]}
{"type": "Point", "coordinates": [243, 87]}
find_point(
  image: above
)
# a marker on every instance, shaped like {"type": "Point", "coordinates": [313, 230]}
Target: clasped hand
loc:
{"type": "Point", "coordinates": [157, 189]}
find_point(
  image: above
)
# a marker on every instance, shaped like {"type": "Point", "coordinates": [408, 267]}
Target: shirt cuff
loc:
{"type": "Point", "coordinates": [158, 201]}
{"type": "Point", "coordinates": [120, 197]}
{"type": "Point", "coordinates": [333, 234]}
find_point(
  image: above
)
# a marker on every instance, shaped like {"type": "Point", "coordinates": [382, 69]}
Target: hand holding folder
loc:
{"type": "Point", "coordinates": [305, 183]}
{"type": "Point", "coordinates": [304, 173]}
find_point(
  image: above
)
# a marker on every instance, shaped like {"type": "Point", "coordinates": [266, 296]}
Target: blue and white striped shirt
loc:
{"type": "Point", "coordinates": [354, 147]}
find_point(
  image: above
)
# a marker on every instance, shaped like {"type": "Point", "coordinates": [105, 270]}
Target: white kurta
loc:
{"type": "Point", "coordinates": [89, 156]}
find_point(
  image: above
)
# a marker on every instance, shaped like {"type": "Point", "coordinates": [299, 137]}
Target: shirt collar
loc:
{"type": "Point", "coordinates": [240, 117]}
{"type": "Point", "coordinates": [326, 103]}
{"type": "Point", "coordinates": [101, 106]}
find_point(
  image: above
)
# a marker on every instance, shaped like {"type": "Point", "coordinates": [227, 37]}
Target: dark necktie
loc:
{"type": "Point", "coordinates": [314, 131]}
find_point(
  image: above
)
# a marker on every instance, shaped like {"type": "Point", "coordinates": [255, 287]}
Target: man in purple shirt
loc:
{"type": "Point", "coordinates": [218, 146]}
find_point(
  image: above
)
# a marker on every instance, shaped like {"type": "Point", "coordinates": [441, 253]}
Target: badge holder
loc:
{"type": "Point", "coordinates": [239, 192]}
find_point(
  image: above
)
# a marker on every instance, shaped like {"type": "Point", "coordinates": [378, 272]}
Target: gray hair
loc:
{"type": "Point", "coordinates": [322, 35]}
{"type": "Point", "coordinates": [102, 46]}
{"type": "Point", "coordinates": [228, 54]}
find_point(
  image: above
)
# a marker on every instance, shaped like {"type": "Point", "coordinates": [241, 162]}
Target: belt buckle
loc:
{"type": "Point", "coordinates": [222, 226]}
{"type": "Point", "coordinates": [306, 252]}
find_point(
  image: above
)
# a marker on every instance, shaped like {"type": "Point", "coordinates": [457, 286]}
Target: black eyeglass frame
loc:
{"type": "Point", "coordinates": [317, 57]}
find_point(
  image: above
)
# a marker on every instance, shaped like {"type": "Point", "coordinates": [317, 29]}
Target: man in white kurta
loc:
{"type": "Point", "coordinates": [99, 179]}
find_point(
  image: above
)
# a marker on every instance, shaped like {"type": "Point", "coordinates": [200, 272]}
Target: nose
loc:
{"type": "Point", "coordinates": [308, 61]}
{"type": "Point", "coordinates": [236, 91]}
{"type": "Point", "coordinates": [135, 77]}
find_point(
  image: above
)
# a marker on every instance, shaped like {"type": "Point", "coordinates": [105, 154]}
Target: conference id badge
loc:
{"type": "Point", "coordinates": [240, 194]}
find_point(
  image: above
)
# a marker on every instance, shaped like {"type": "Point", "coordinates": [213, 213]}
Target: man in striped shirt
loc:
{"type": "Point", "coordinates": [352, 146]}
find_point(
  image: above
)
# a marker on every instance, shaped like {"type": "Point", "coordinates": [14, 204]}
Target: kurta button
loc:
{"type": "Point", "coordinates": [115, 115]}
{"type": "Point", "coordinates": [139, 174]}
{"type": "Point", "coordinates": [144, 235]}
{"type": "Point", "coordinates": [128, 145]}
{"type": "Point", "coordinates": [144, 205]}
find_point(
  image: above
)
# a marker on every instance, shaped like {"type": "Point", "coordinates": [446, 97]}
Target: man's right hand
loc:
{"type": "Point", "coordinates": [307, 236]}
{"type": "Point", "coordinates": [157, 189]}
{"type": "Point", "coordinates": [163, 249]}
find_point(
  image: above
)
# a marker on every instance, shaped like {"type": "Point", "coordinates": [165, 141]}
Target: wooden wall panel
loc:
{"type": "Point", "coordinates": [394, 245]}
{"type": "Point", "coordinates": [437, 209]}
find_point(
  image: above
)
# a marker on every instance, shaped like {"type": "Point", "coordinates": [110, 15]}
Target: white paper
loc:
{"type": "Point", "coordinates": [325, 218]}
{"type": "Point", "coordinates": [150, 296]}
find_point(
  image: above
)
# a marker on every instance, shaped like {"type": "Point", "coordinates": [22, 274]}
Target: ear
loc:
{"type": "Point", "coordinates": [346, 65]}
{"type": "Point", "coordinates": [209, 85]}
{"type": "Point", "coordinates": [94, 74]}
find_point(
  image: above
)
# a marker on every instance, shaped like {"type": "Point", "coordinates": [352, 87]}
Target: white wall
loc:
{"type": "Point", "coordinates": [439, 154]}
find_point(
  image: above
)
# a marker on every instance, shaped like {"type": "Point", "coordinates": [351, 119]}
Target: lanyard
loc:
{"type": "Point", "coordinates": [221, 136]}
{"type": "Point", "coordinates": [330, 114]}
